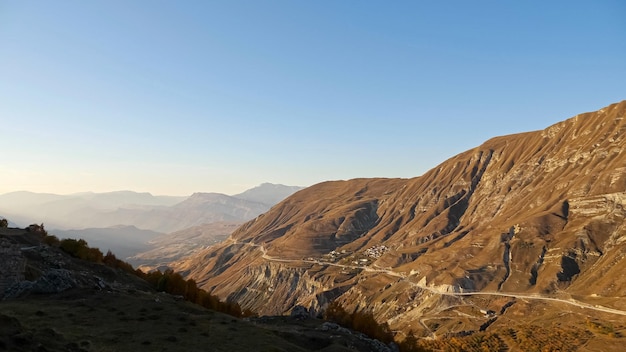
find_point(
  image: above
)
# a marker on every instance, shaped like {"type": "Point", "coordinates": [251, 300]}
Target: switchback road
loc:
{"type": "Point", "coordinates": [435, 290]}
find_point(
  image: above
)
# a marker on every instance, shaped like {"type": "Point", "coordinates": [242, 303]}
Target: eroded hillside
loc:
{"type": "Point", "coordinates": [528, 219]}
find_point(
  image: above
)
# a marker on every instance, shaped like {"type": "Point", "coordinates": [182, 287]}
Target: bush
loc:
{"type": "Point", "coordinates": [51, 240]}
{"type": "Point", "coordinates": [4, 223]}
{"type": "Point", "coordinates": [169, 281]}
{"type": "Point", "coordinates": [80, 249]}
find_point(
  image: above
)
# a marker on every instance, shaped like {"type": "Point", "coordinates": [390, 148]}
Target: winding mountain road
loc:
{"type": "Point", "coordinates": [434, 290]}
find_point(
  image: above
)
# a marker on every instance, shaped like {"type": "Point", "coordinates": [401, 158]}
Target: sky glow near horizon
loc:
{"type": "Point", "coordinates": [205, 96]}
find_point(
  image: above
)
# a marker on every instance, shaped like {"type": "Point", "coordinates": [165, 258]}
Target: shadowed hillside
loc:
{"type": "Point", "coordinates": [52, 300]}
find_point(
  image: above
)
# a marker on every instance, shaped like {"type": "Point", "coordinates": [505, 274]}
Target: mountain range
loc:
{"type": "Point", "coordinates": [522, 237]}
{"type": "Point", "coordinates": [143, 210]}
{"type": "Point", "coordinates": [130, 223]}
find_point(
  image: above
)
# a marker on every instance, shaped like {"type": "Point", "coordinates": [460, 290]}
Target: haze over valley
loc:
{"type": "Point", "coordinates": [130, 223]}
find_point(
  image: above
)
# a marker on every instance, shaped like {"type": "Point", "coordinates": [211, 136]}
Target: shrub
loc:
{"type": "Point", "coordinates": [168, 281]}
{"type": "Point", "coordinates": [80, 249]}
{"type": "Point", "coordinates": [51, 240]}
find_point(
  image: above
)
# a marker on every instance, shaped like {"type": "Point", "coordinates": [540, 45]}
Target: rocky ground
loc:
{"type": "Point", "coordinates": [54, 302]}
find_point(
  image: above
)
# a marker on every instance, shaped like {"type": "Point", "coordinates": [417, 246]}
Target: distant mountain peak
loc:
{"type": "Point", "coordinates": [268, 193]}
{"type": "Point", "coordinates": [207, 195]}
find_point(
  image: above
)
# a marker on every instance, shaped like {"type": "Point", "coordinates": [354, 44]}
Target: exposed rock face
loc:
{"type": "Point", "coordinates": [52, 281]}
{"type": "Point", "coordinates": [537, 213]}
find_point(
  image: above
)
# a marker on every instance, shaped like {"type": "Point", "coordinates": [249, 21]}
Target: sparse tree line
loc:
{"type": "Point", "coordinates": [168, 281]}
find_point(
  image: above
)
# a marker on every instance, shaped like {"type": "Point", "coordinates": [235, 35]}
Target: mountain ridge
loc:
{"type": "Point", "coordinates": [534, 213]}
{"type": "Point", "coordinates": [157, 213]}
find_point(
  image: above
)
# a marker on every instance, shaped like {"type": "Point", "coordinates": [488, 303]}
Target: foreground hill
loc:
{"type": "Point", "coordinates": [51, 301]}
{"type": "Point", "coordinates": [524, 228]}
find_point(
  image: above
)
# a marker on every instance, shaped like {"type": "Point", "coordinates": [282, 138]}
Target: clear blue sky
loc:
{"type": "Point", "coordinates": [174, 97]}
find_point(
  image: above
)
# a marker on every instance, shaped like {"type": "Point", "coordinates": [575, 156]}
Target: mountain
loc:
{"type": "Point", "coordinates": [126, 222]}
{"type": "Point", "coordinates": [143, 210]}
{"type": "Point", "coordinates": [23, 200]}
{"type": "Point", "coordinates": [76, 210]}
{"type": "Point", "coordinates": [199, 208]}
{"type": "Point", "coordinates": [211, 218]}
{"type": "Point", "coordinates": [522, 237]}
{"type": "Point", "coordinates": [268, 193]}
{"type": "Point", "coordinates": [52, 301]}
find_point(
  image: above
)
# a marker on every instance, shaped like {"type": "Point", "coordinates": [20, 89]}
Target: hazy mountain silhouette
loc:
{"type": "Point", "coordinates": [51, 300]}
{"type": "Point", "coordinates": [268, 193]}
{"type": "Point", "coordinates": [143, 210]}
{"type": "Point", "coordinates": [126, 221]}
{"type": "Point", "coordinates": [75, 210]}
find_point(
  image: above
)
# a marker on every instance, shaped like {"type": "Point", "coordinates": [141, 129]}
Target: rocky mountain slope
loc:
{"type": "Point", "coordinates": [523, 228]}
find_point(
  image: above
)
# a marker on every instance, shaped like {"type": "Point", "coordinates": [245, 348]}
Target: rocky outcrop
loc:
{"type": "Point", "coordinates": [31, 267]}
{"type": "Point", "coordinates": [52, 281]}
{"type": "Point", "coordinates": [12, 263]}
{"type": "Point", "coordinates": [374, 345]}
